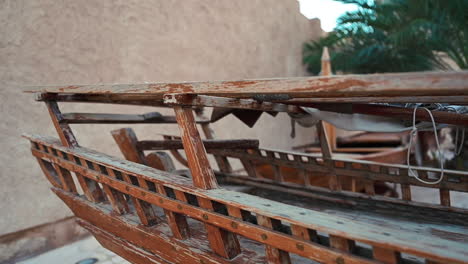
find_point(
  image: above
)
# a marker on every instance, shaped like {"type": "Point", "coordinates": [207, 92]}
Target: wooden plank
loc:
{"type": "Point", "coordinates": [222, 242]}
{"type": "Point", "coordinates": [387, 256]}
{"type": "Point", "coordinates": [98, 118]}
{"type": "Point", "coordinates": [156, 99]}
{"type": "Point", "coordinates": [49, 172]}
{"type": "Point", "coordinates": [144, 210]}
{"type": "Point", "coordinates": [127, 142]}
{"type": "Point", "coordinates": [177, 222]}
{"type": "Point", "coordinates": [273, 255]}
{"type": "Point", "coordinates": [341, 243]}
{"type": "Point", "coordinates": [456, 100]}
{"type": "Point", "coordinates": [444, 197]}
{"type": "Point", "coordinates": [402, 113]}
{"type": "Point", "coordinates": [160, 161]}
{"type": "Point", "coordinates": [326, 150]}
{"type": "Point", "coordinates": [406, 192]}
{"type": "Point", "coordinates": [63, 130]}
{"type": "Point", "coordinates": [222, 102]}
{"type": "Point", "coordinates": [122, 247]}
{"type": "Point", "coordinates": [116, 200]}
{"type": "Point", "coordinates": [66, 179]}
{"type": "Point", "coordinates": [304, 233]}
{"type": "Point", "coordinates": [392, 85]}
{"type": "Point", "coordinates": [90, 187]}
{"type": "Point", "coordinates": [208, 143]}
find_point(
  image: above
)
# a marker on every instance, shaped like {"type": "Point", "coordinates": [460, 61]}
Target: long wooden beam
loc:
{"type": "Point", "coordinates": [371, 85]}
{"type": "Point", "coordinates": [97, 118]}
{"type": "Point", "coordinates": [208, 143]}
{"type": "Point", "coordinates": [224, 102]}
{"type": "Point", "coordinates": [404, 113]}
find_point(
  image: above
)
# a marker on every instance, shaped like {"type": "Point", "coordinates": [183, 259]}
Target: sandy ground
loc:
{"type": "Point", "coordinates": [73, 253]}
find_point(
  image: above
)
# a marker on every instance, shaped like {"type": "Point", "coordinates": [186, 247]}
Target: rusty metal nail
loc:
{"type": "Point", "coordinates": [205, 216]}
{"type": "Point", "coordinates": [264, 236]}
{"type": "Point", "coordinates": [161, 200]}
{"type": "Point", "coordinates": [300, 246]}
{"type": "Point", "coordinates": [127, 188]}
{"type": "Point", "coordinates": [234, 225]}
{"type": "Point", "coordinates": [340, 260]}
{"type": "Point", "coordinates": [202, 261]}
{"type": "Point", "coordinates": [97, 177]}
{"type": "Point", "coordinates": [143, 193]}
{"type": "Point", "coordinates": [179, 207]}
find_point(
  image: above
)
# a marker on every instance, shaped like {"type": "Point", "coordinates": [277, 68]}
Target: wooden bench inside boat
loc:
{"type": "Point", "coordinates": [146, 211]}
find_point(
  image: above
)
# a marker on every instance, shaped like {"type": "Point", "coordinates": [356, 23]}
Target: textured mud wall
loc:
{"type": "Point", "coordinates": [57, 42]}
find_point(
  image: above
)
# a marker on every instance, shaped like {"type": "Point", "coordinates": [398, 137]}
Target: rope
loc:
{"type": "Point", "coordinates": [414, 132]}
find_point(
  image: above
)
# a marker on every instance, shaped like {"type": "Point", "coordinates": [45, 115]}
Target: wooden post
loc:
{"type": "Point", "coordinates": [273, 255]}
{"type": "Point", "coordinates": [202, 174]}
{"type": "Point", "coordinates": [387, 256]}
{"type": "Point", "coordinates": [326, 155]}
{"type": "Point", "coordinates": [68, 139]}
{"type": "Point", "coordinates": [127, 142]}
{"type": "Point", "coordinates": [222, 242]}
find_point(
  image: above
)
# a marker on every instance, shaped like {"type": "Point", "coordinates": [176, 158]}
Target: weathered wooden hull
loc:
{"type": "Point", "coordinates": [283, 230]}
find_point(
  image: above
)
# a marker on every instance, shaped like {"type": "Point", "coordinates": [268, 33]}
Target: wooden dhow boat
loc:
{"type": "Point", "coordinates": [147, 211]}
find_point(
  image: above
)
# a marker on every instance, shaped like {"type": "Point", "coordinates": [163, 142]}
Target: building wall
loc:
{"type": "Point", "coordinates": [131, 41]}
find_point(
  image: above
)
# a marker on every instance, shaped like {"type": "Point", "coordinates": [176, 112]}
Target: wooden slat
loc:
{"type": "Point", "coordinates": [387, 256]}
{"type": "Point", "coordinates": [90, 187]}
{"type": "Point", "coordinates": [98, 118]}
{"type": "Point", "coordinates": [371, 85]}
{"type": "Point", "coordinates": [273, 255]}
{"type": "Point", "coordinates": [406, 192]}
{"type": "Point", "coordinates": [177, 222]}
{"type": "Point", "coordinates": [341, 243]}
{"type": "Point", "coordinates": [402, 113]}
{"type": "Point", "coordinates": [49, 172]}
{"type": "Point", "coordinates": [326, 150]}
{"type": "Point", "coordinates": [444, 197]}
{"type": "Point", "coordinates": [63, 130]}
{"type": "Point", "coordinates": [66, 179]}
{"type": "Point", "coordinates": [127, 142]}
{"type": "Point", "coordinates": [156, 99]}
{"type": "Point", "coordinates": [222, 242]}
{"type": "Point", "coordinates": [208, 143]}
{"type": "Point", "coordinates": [117, 199]}
{"type": "Point", "coordinates": [222, 102]}
{"type": "Point", "coordinates": [304, 233]}
{"type": "Point", "coordinates": [144, 210]}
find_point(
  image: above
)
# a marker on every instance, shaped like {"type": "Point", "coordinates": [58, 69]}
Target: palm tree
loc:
{"type": "Point", "coordinates": [395, 36]}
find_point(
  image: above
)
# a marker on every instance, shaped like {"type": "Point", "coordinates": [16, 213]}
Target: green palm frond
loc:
{"type": "Point", "coordinates": [396, 36]}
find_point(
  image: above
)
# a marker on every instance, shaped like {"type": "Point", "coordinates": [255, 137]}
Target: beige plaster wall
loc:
{"type": "Point", "coordinates": [57, 42]}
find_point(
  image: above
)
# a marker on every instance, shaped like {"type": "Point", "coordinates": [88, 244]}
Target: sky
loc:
{"type": "Point", "coordinates": [326, 10]}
